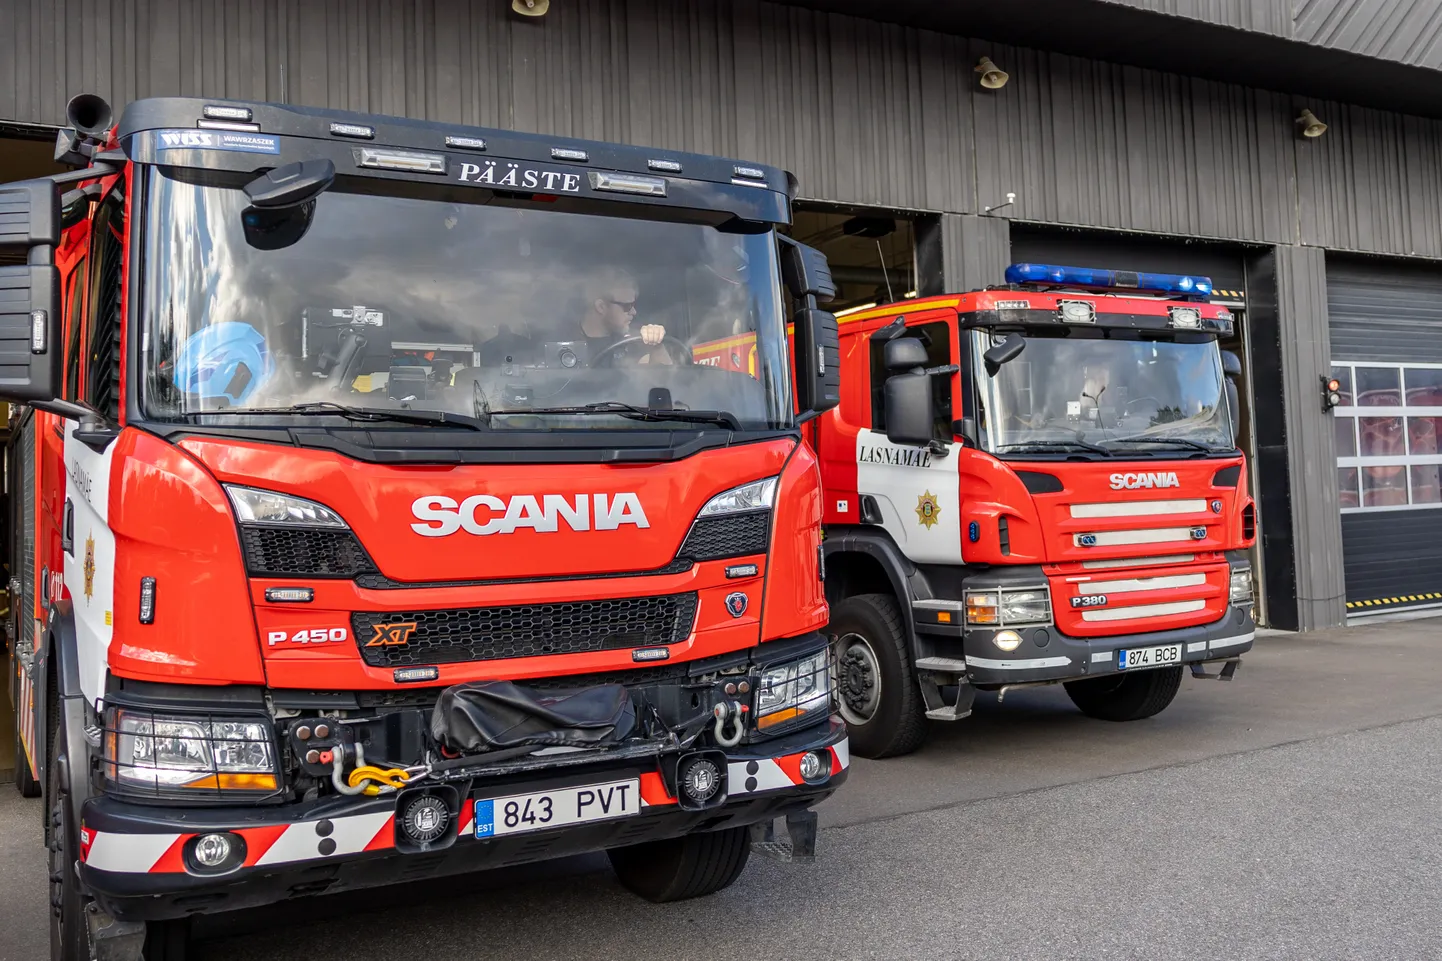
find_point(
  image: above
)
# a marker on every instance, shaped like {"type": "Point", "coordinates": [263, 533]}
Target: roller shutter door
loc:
{"type": "Point", "coordinates": [1386, 334]}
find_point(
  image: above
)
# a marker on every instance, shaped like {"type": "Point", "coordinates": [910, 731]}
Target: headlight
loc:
{"type": "Point", "coordinates": [794, 690]}
{"type": "Point", "coordinates": [161, 754]}
{"type": "Point", "coordinates": [997, 607]}
{"type": "Point", "coordinates": [267, 507]}
{"type": "Point", "coordinates": [755, 496]}
{"type": "Point", "coordinates": [1242, 586]}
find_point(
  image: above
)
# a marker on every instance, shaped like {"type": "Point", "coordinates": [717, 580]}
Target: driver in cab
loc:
{"type": "Point", "coordinates": [610, 308]}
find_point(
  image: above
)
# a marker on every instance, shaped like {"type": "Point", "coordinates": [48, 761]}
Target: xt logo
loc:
{"type": "Point", "coordinates": [390, 635]}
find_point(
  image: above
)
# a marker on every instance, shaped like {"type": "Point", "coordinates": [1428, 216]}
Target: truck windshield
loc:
{"type": "Point", "coordinates": [1108, 390]}
{"type": "Point", "coordinates": [507, 315]}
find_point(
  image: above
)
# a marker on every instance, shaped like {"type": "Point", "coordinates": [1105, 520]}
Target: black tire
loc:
{"type": "Point", "coordinates": [25, 781]}
{"type": "Point", "coordinates": [1126, 697]}
{"type": "Point", "coordinates": [876, 687]}
{"type": "Point", "coordinates": [68, 940]}
{"type": "Point", "coordinates": [686, 867]}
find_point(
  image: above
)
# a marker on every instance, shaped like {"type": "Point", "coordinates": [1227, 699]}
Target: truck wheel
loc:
{"type": "Point", "coordinates": [25, 781]}
{"type": "Point", "coordinates": [1126, 697]}
{"type": "Point", "coordinates": [875, 687]}
{"type": "Point", "coordinates": [686, 867]}
{"type": "Point", "coordinates": [68, 939]}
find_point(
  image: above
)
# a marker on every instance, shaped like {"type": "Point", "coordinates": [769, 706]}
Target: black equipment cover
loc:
{"type": "Point", "coordinates": [489, 715]}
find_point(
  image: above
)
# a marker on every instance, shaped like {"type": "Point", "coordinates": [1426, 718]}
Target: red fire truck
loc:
{"type": "Point", "coordinates": [1033, 484]}
{"type": "Point", "coordinates": [359, 535]}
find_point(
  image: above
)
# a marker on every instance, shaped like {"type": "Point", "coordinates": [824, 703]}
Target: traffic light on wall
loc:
{"type": "Point", "coordinates": [1331, 392]}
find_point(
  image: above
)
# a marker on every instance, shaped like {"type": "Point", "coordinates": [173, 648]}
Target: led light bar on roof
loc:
{"type": "Point", "coordinates": [1052, 274]}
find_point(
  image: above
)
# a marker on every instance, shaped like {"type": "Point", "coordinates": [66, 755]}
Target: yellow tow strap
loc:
{"type": "Point", "coordinates": [390, 777]}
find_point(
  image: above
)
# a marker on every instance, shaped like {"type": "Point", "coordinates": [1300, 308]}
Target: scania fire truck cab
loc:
{"type": "Point", "coordinates": [349, 551]}
{"type": "Point", "coordinates": [1032, 484]}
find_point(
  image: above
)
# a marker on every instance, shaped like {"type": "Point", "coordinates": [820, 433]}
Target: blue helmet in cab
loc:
{"type": "Point", "coordinates": [228, 360]}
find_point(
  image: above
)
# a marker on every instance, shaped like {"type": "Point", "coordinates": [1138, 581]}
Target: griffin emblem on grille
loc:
{"type": "Point", "coordinates": [391, 635]}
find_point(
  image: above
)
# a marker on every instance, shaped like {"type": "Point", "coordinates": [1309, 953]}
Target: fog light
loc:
{"type": "Point", "coordinates": [212, 850]}
{"type": "Point", "coordinates": [425, 818]}
{"type": "Point", "coordinates": [813, 766]}
{"type": "Point", "coordinates": [212, 854]}
{"type": "Point", "coordinates": [1007, 640]}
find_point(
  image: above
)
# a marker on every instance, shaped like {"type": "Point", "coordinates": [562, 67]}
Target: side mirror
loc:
{"type": "Point", "coordinates": [805, 272]}
{"type": "Point", "coordinates": [291, 185]}
{"type": "Point", "coordinates": [1231, 364]}
{"type": "Point", "coordinates": [1003, 353]}
{"type": "Point", "coordinates": [909, 411]}
{"type": "Point", "coordinates": [903, 354]}
{"type": "Point", "coordinates": [30, 349]}
{"type": "Point", "coordinates": [817, 361]}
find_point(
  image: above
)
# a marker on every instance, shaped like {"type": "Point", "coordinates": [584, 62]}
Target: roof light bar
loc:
{"type": "Point", "coordinates": [629, 184]}
{"type": "Point", "coordinates": [386, 159]}
{"type": "Point", "coordinates": [357, 130]}
{"type": "Point", "coordinates": [466, 143]}
{"type": "Point", "coordinates": [217, 112]}
{"type": "Point", "coordinates": [1051, 274]}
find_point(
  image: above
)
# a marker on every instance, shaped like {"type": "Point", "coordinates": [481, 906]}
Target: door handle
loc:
{"type": "Point", "coordinates": [67, 529]}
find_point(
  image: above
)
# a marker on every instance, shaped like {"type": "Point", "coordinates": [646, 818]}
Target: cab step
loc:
{"type": "Point", "coordinates": [929, 672]}
{"type": "Point", "coordinates": [1228, 671]}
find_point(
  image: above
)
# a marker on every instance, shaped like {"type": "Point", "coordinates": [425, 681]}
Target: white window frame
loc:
{"type": "Point", "coordinates": [1407, 460]}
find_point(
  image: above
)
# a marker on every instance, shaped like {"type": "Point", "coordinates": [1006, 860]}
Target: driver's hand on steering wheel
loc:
{"type": "Point", "coordinates": [652, 334]}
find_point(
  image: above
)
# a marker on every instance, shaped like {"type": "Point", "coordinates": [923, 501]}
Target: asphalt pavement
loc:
{"type": "Point", "coordinates": [1291, 813]}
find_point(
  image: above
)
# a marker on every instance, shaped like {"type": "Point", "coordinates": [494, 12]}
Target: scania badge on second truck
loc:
{"type": "Point", "coordinates": [1034, 484]}
{"type": "Point", "coordinates": [359, 535]}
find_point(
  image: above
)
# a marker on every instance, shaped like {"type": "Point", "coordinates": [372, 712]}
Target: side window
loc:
{"type": "Point", "coordinates": [74, 348]}
{"type": "Point", "coordinates": [936, 337]}
{"type": "Point", "coordinates": [102, 354]}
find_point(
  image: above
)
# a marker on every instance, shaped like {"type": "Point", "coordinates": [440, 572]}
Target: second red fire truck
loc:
{"type": "Point", "coordinates": [1032, 484]}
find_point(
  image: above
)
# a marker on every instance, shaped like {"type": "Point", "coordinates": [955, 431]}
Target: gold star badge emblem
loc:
{"type": "Point", "coordinates": [89, 566]}
{"type": "Point", "coordinates": [927, 509]}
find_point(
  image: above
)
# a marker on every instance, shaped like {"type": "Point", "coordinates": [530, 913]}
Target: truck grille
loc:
{"type": "Point", "coordinates": [740, 535]}
{"type": "Point", "coordinates": [278, 552]}
{"type": "Point", "coordinates": [402, 638]}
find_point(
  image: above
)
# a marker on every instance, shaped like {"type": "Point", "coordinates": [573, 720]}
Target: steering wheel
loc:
{"type": "Point", "coordinates": [608, 354]}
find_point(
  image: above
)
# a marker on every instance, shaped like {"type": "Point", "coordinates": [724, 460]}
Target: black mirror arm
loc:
{"type": "Point", "coordinates": [95, 431]}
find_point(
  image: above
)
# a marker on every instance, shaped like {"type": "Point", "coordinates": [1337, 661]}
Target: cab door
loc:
{"type": "Point", "coordinates": [913, 492]}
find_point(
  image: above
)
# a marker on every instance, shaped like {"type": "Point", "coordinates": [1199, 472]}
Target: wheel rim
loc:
{"type": "Point", "coordinates": [858, 679]}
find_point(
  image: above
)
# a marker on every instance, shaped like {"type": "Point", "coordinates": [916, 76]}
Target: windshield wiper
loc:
{"type": "Point", "coordinates": [1181, 441]}
{"type": "Point", "coordinates": [721, 418]}
{"type": "Point", "coordinates": [1040, 445]}
{"type": "Point", "coordinates": [370, 414]}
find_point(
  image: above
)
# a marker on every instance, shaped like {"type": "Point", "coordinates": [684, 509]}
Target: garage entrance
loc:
{"type": "Point", "coordinates": [872, 253]}
{"type": "Point", "coordinates": [1386, 334]}
{"type": "Point", "coordinates": [1226, 266]}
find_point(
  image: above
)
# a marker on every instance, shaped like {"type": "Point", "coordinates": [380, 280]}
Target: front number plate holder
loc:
{"type": "Point", "coordinates": [557, 808]}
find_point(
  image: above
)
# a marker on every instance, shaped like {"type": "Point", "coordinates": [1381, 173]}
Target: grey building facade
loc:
{"type": "Point", "coordinates": [1149, 134]}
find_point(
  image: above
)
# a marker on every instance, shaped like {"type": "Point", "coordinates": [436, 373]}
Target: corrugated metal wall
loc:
{"type": "Point", "coordinates": [864, 113]}
{"type": "Point", "coordinates": [1264, 16]}
{"type": "Point", "coordinates": [1409, 31]}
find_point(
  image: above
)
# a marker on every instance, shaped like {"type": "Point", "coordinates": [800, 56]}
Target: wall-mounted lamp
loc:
{"type": "Point", "coordinates": [531, 8]}
{"type": "Point", "coordinates": [992, 76]}
{"type": "Point", "coordinates": [1311, 126]}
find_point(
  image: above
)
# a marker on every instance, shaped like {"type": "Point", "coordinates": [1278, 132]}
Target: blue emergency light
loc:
{"type": "Point", "coordinates": [1050, 274]}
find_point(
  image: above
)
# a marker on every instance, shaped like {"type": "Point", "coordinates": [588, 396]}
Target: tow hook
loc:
{"type": "Point", "coordinates": [729, 711]}
{"type": "Point", "coordinates": [798, 845]}
{"type": "Point", "coordinates": [1228, 671]}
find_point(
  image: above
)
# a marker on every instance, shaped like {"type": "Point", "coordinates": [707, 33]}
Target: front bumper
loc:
{"type": "Point", "coordinates": [133, 855]}
{"type": "Point", "coordinates": [1046, 654]}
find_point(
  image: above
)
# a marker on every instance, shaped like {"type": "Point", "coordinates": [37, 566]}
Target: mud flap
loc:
{"type": "Point", "coordinates": [112, 940]}
{"type": "Point", "coordinates": [799, 844]}
{"type": "Point", "coordinates": [1228, 671]}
